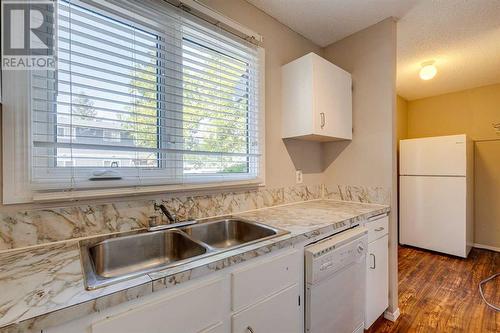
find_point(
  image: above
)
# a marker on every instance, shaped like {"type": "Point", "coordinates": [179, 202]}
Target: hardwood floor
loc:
{"type": "Point", "coordinates": [439, 293]}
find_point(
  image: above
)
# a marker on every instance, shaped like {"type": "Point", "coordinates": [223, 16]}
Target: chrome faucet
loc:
{"type": "Point", "coordinates": [173, 222]}
{"type": "Point", "coordinates": [171, 217]}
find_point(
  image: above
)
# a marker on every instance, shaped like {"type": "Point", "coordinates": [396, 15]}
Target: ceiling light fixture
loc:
{"type": "Point", "coordinates": [428, 70]}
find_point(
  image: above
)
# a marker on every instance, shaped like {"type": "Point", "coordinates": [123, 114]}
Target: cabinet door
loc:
{"type": "Point", "coordinates": [332, 100]}
{"type": "Point", "coordinates": [377, 279]}
{"type": "Point", "coordinates": [278, 314]}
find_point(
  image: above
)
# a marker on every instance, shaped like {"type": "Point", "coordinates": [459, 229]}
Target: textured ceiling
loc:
{"type": "Point", "coordinates": [327, 21]}
{"type": "Point", "coordinates": [462, 36]}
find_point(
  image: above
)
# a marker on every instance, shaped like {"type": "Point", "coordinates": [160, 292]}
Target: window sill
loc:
{"type": "Point", "coordinates": [141, 190]}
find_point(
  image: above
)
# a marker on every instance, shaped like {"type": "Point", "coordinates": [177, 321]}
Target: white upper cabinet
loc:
{"type": "Point", "coordinates": [317, 100]}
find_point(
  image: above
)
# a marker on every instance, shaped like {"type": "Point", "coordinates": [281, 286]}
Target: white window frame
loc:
{"type": "Point", "coordinates": [16, 129]}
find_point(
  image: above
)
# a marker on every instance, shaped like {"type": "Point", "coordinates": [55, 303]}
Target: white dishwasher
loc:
{"type": "Point", "coordinates": [335, 272]}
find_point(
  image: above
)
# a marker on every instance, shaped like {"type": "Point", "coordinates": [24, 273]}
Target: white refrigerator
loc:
{"type": "Point", "coordinates": [436, 194]}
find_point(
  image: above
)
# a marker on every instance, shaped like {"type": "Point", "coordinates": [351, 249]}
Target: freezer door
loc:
{"type": "Point", "coordinates": [439, 156]}
{"type": "Point", "coordinates": [433, 213]}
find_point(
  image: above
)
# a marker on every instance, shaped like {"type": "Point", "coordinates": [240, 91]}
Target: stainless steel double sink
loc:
{"type": "Point", "coordinates": [122, 258]}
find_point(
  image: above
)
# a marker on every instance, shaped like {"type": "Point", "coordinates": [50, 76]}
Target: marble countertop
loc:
{"type": "Point", "coordinates": [44, 286]}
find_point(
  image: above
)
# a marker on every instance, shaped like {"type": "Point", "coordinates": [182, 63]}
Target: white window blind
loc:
{"type": "Point", "coordinates": [144, 94]}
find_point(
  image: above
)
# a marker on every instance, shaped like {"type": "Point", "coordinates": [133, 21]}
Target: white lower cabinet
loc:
{"type": "Point", "coordinates": [195, 309]}
{"type": "Point", "coordinates": [278, 313]}
{"type": "Point", "coordinates": [254, 282]}
{"type": "Point", "coordinates": [264, 291]}
{"type": "Point", "coordinates": [377, 272]}
{"type": "Point", "coordinates": [172, 314]}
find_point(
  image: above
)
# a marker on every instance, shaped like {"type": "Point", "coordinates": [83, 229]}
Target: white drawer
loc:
{"type": "Point", "coordinates": [199, 308]}
{"type": "Point", "coordinates": [377, 228]}
{"type": "Point", "coordinates": [276, 314]}
{"type": "Point", "coordinates": [257, 281]}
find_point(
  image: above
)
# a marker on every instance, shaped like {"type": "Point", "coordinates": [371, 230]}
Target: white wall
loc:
{"type": "Point", "coordinates": [370, 159]}
{"type": "Point", "coordinates": [282, 45]}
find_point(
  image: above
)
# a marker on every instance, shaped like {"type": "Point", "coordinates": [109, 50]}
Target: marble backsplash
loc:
{"type": "Point", "coordinates": [25, 228]}
{"type": "Point", "coordinates": [364, 194]}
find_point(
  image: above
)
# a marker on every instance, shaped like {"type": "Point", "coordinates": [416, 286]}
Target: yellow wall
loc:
{"type": "Point", "coordinates": [487, 193]}
{"type": "Point", "coordinates": [401, 119]}
{"type": "Point", "coordinates": [472, 112]}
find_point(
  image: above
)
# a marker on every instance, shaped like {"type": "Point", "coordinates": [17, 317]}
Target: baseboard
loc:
{"type": "Point", "coordinates": [487, 247]}
{"type": "Point", "coordinates": [392, 316]}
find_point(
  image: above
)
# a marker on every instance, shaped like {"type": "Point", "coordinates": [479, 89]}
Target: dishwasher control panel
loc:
{"type": "Point", "coordinates": [332, 254]}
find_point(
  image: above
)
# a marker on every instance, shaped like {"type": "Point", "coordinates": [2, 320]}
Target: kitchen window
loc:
{"type": "Point", "coordinates": [144, 95]}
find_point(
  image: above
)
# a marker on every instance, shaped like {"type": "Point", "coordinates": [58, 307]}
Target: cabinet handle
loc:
{"type": "Point", "coordinates": [379, 229]}
{"type": "Point", "coordinates": [250, 329]}
{"type": "Point", "coordinates": [323, 120]}
{"type": "Point", "coordinates": [374, 262]}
